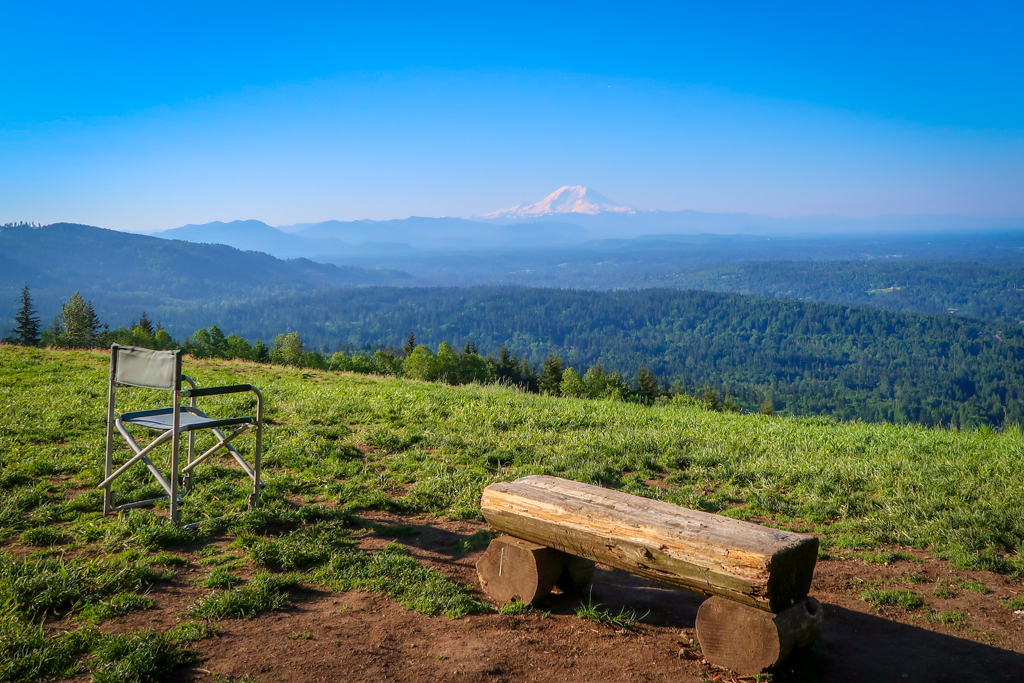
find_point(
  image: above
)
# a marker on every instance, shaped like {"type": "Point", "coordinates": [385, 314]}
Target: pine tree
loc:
{"type": "Point", "coordinates": [26, 332]}
{"type": "Point", "coordinates": [768, 406]}
{"type": "Point", "coordinates": [409, 345]}
{"type": "Point", "coordinates": [81, 326]}
{"type": "Point", "coordinates": [550, 381]}
{"type": "Point", "coordinates": [646, 386]}
{"type": "Point", "coordinates": [260, 352]}
{"type": "Point", "coordinates": [146, 324]}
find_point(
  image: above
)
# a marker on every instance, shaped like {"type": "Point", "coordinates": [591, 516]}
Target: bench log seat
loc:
{"type": "Point", "coordinates": [759, 578]}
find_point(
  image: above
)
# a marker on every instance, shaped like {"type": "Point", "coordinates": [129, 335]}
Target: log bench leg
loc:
{"type": "Point", "coordinates": [512, 568]}
{"type": "Point", "coordinates": [576, 575]}
{"type": "Point", "coordinates": [748, 640]}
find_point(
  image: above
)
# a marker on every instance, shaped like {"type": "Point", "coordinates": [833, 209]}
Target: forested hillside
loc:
{"type": "Point", "coordinates": [988, 291]}
{"type": "Point", "coordinates": [121, 271]}
{"type": "Point", "coordinates": [850, 362]}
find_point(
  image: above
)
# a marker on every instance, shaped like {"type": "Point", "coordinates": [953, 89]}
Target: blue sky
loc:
{"type": "Point", "coordinates": [139, 116]}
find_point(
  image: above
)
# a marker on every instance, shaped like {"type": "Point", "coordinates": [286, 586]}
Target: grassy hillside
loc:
{"type": "Point", "coordinates": [340, 443]}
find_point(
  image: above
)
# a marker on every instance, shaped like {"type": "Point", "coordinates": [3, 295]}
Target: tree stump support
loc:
{"type": "Point", "coordinates": [750, 641]}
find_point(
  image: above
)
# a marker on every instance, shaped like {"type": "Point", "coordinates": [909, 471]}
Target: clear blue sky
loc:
{"type": "Point", "coordinates": [148, 116]}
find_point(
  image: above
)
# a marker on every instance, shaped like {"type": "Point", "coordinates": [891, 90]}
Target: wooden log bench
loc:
{"type": "Point", "coordinates": [757, 578]}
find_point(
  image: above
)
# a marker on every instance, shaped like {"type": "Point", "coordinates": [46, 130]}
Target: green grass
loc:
{"type": "Point", "coordinates": [355, 442]}
{"type": "Point", "coordinates": [478, 540]}
{"type": "Point", "coordinates": [888, 557]}
{"type": "Point", "coordinates": [116, 606]}
{"type": "Point", "coordinates": [138, 657]}
{"type": "Point", "coordinates": [1014, 604]}
{"type": "Point", "coordinates": [899, 597]}
{"type": "Point", "coordinates": [393, 572]}
{"type": "Point", "coordinates": [220, 578]}
{"type": "Point", "coordinates": [265, 592]}
{"type": "Point", "coordinates": [627, 619]}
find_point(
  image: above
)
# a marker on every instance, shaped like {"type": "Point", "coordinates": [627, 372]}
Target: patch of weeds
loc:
{"type": "Point", "coordinates": [477, 541]}
{"type": "Point", "coordinates": [44, 536]}
{"type": "Point", "coordinates": [116, 606]}
{"type": "Point", "coordinates": [27, 653]}
{"type": "Point", "coordinates": [303, 549]}
{"type": "Point", "coordinates": [49, 587]}
{"type": "Point", "coordinates": [167, 560]}
{"type": "Point", "coordinates": [227, 678]}
{"type": "Point", "coordinates": [518, 607]}
{"type": "Point", "coordinates": [193, 631]}
{"type": "Point", "coordinates": [218, 560]}
{"type": "Point", "coordinates": [888, 557]}
{"type": "Point", "coordinates": [952, 618]}
{"type": "Point", "coordinates": [625, 619]}
{"type": "Point", "coordinates": [914, 577]}
{"type": "Point", "coordinates": [395, 573]}
{"type": "Point", "coordinates": [138, 657]}
{"type": "Point", "coordinates": [208, 551]}
{"type": "Point", "coordinates": [220, 578]}
{"type": "Point", "coordinates": [976, 586]}
{"type": "Point", "coordinates": [879, 597]}
{"type": "Point", "coordinates": [1014, 604]}
{"type": "Point", "coordinates": [265, 592]}
{"type": "Point", "coordinates": [946, 589]}
{"type": "Point", "coordinates": [306, 635]}
{"type": "Point", "coordinates": [144, 529]}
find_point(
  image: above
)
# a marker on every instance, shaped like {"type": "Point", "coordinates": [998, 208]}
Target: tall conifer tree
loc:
{"type": "Point", "coordinates": [26, 331]}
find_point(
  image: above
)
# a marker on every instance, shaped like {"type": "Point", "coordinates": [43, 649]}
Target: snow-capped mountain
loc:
{"type": "Point", "coordinates": [566, 199]}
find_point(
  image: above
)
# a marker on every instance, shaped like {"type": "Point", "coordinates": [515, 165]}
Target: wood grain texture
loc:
{"type": "Point", "coordinates": [748, 640]}
{"type": "Point", "coordinates": [512, 568]}
{"type": "Point", "coordinates": [765, 568]}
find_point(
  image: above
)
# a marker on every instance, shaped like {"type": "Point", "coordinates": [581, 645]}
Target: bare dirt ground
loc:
{"type": "Point", "coordinates": [361, 637]}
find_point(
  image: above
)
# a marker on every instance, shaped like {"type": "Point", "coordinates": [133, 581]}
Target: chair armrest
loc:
{"type": "Point", "coordinates": [216, 391]}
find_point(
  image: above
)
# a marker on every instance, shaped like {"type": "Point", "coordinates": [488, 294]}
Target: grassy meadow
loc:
{"type": "Point", "coordinates": [338, 443]}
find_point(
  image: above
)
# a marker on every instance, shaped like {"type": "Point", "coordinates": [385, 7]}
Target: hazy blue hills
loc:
{"type": "Point", "coordinates": [256, 236]}
{"type": "Point", "coordinates": [124, 271]}
{"type": "Point", "coordinates": [367, 238]}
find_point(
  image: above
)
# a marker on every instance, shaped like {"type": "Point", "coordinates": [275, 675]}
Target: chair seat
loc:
{"type": "Point", "coordinates": [163, 418]}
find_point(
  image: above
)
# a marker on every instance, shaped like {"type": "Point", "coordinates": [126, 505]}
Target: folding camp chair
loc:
{"type": "Point", "coordinates": [148, 369]}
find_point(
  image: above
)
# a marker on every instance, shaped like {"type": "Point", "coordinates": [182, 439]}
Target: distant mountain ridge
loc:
{"type": "Point", "coordinates": [119, 270]}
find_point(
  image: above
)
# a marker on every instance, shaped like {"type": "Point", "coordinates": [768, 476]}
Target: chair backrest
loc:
{"type": "Point", "coordinates": [146, 368]}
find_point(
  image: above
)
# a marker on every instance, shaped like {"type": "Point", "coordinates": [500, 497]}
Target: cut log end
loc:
{"type": "Point", "coordinates": [750, 641]}
{"type": "Point", "coordinates": [512, 569]}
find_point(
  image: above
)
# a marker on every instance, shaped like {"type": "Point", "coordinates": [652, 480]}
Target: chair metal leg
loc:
{"type": "Point", "coordinates": [108, 461]}
{"type": "Point", "coordinates": [175, 452]}
{"type": "Point", "coordinates": [254, 498]}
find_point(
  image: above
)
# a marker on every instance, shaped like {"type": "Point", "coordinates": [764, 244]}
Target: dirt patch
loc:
{"type": "Point", "coordinates": [358, 636]}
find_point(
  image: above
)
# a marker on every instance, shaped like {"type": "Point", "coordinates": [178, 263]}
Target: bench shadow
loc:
{"type": "Point", "coordinates": [854, 647]}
